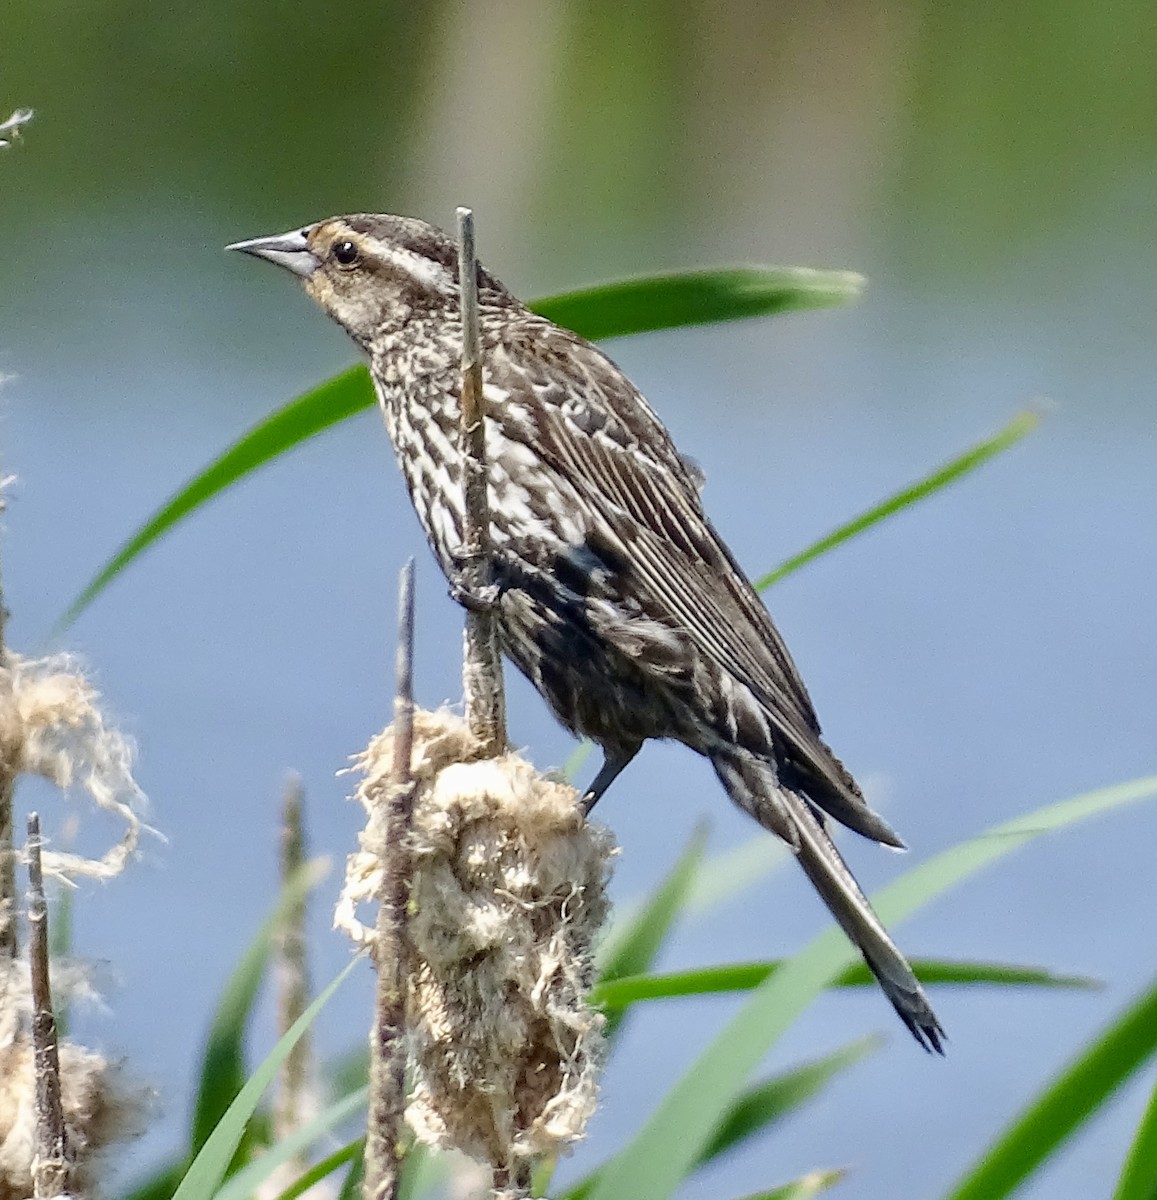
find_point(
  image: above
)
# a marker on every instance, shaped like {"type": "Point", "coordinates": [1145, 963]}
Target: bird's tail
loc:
{"type": "Point", "coordinates": [751, 784]}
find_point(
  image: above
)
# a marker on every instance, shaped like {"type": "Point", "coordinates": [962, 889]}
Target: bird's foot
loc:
{"type": "Point", "coordinates": [614, 761]}
{"type": "Point", "coordinates": [483, 599]}
{"type": "Point", "coordinates": [476, 596]}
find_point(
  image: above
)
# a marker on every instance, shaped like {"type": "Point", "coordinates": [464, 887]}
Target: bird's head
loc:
{"type": "Point", "coordinates": [373, 272]}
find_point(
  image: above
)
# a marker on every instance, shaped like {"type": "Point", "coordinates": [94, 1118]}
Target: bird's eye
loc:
{"type": "Point", "coordinates": [346, 253]}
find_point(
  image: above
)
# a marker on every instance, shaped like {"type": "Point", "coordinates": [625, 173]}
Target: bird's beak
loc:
{"type": "Point", "coordinates": [289, 250]}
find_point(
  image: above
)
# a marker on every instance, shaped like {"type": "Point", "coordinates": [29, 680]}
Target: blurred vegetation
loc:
{"type": "Point", "coordinates": [257, 106]}
{"type": "Point", "coordinates": [629, 127]}
{"type": "Point", "coordinates": [1022, 118]}
{"type": "Point", "coordinates": [598, 137]}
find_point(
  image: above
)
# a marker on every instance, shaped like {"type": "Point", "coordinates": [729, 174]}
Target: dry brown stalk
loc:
{"type": "Point", "coordinates": [293, 988]}
{"type": "Point", "coordinates": [482, 662]}
{"type": "Point", "coordinates": [391, 951]}
{"type": "Point", "coordinates": [50, 1166]}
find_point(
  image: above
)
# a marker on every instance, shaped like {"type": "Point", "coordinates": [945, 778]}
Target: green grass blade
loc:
{"type": "Point", "coordinates": [248, 1180]}
{"type": "Point", "coordinates": [1021, 425]}
{"type": "Point", "coordinates": [348, 1071]}
{"type": "Point", "coordinates": [734, 871]}
{"type": "Point", "coordinates": [334, 401]}
{"type": "Point", "coordinates": [717, 880]}
{"type": "Point", "coordinates": [351, 1188]}
{"type": "Point", "coordinates": [696, 298]}
{"type": "Point", "coordinates": [947, 971]}
{"type": "Point", "coordinates": [630, 948]}
{"type": "Point", "coordinates": [610, 310]}
{"type": "Point", "coordinates": [60, 946]}
{"type": "Point", "coordinates": [160, 1185]}
{"type": "Point", "coordinates": [576, 759]}
{"type": "Point", "coordinates": [634, 941]}
{"type": "Point", "coordinates": [1071, 1100]}
{"type": "Point", "coordinates": [208, 1169]}
{"type": "Point", "coordinates": [762, 1106]}
{"type": "Point", "coordinates": [423, 1170]}
{"type": "Point", "coordinates": [768, 1103]}
{"type": "Point", "coordinates": [1139, 1174]}
{"type": "Point", "coordinates": [804, 1188]}
{"type": "Point", "coordinates": [348, 1153]}
{"type": "Point", "coordinates": [672, 1139]}
{"type": "Point", "coordinates": [223, 1067]}
{"type": "Point", "coordinates": [60, 929]}
{"type": "Point", "coordinates": [614, 994]}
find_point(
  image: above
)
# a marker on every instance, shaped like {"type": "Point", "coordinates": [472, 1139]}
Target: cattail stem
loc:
{"type": "Point", "coordinates": [9, 941]}
{"type": "Point", "coordinates": [292, 971]}
{"type": "Point", "coordinates": [482, 663]}
{"type": "Point", "coordinates": [388, 1044]}
{"type": "Point", "coordinates": [513, 1181]}
{"type": "Point", "coordinates": [50, 1167]}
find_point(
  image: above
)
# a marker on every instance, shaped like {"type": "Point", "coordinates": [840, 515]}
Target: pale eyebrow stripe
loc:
{"type": "Point", "coordinates": [432, 274]}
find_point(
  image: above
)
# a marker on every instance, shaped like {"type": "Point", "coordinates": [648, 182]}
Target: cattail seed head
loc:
{"type": "Point", "coordinates": [102, 1104]}
{"type": "Point", "coordinates": [507, 896]}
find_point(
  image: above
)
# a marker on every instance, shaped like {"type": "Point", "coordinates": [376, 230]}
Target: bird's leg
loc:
{"type": "Point", "coordinates": [615, 758]}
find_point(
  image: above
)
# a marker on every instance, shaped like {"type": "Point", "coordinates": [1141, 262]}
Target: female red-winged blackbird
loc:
{"type": "Point", "coordinates": [617, 598]}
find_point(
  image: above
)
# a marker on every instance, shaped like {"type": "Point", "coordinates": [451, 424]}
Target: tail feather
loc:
{"type": "Point", "coordinates": [834, 790]}
{"type": "Point", "coordinates": [752, 785]}
{"type": "Point", "coordinates": [829, 874]}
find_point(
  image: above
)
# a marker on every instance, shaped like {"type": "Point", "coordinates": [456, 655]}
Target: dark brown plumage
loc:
{"type": "Point", "coordinates": [618, 599]}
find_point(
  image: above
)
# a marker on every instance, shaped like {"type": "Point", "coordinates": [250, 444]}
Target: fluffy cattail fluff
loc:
{"type": "Point", "coordinates": [51, 725]}
{"type": "Point", "coordinates": [102, 1106]}
{"type": "Point", "coordinates": [508, 894]}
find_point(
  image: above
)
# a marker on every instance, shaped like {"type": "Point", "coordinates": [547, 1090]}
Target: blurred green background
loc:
{"type": "Point", "coordinates": [990, 168]}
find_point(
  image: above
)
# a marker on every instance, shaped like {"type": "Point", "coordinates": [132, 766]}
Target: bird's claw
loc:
{"type": "Point", "coordinates": [475, 599]}
{"type": "Point", "coordinates": [482, 596]}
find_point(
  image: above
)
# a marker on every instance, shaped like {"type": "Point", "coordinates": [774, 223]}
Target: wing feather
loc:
{"type": "Point", "coordinates": [621, 461]}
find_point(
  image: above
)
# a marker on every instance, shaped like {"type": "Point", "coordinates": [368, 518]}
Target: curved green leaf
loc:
{"type": "Point", "coordinates": [247, 1182]}
{"type": "Point", "coordinates": [716, 880]}
{"type": "Point", "coordinates": [416, 1171]}
{"type": "Point", "coordinates": [351, 1188]}
{"type": "Point", "coordinates": [766, 1104]}
{"type": "Point", "coordinates": [734, 871]}
{"type": "Point", "coordinates": [425, 1171]}
{"type": "Point", "coordinates": [334, 401]}
{"type": "Point", "coordinates": [212, 1162]}
{"type": "Point", "coordinates": [350, 1152]}
{"type": "Point", "coordinates": [804, 1188]}
{"type": "Point", "coordinates": [666, 1149]}
{"type": "Point", "coordinates": [654, 302]}
{"type": "Point", "coordinates": [349, 1071]}
{"type": "Point", "coordinates": [614, 994]}
{"type": "Point", "coordinates": [1139, 1174]}
{"type": "Point", "coordinates": [1076, 1095]}
{"type": "Point", "coordinates": [575, 760]}
{"type": "Point", "coordinates": [630, 948]}
{"type": "Point", "coordinates": [634, 940]}
{"type": "Point", "coordinates": [1023, 423]}
{"type": "Point", "coordinates": [160, 1184]}
{"type": "Point", "coordinates": [610, 310]}
{"type": "Point", "coordinates": [223, 1068]}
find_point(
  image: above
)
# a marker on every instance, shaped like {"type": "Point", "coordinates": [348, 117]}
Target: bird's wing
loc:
{"type": "Point", "coordinates": [592, 427]}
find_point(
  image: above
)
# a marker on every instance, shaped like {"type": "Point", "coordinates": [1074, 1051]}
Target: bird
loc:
{"type": "Point", "coordinates": [614, 594]}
